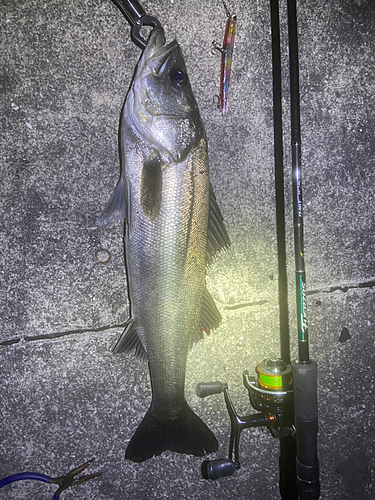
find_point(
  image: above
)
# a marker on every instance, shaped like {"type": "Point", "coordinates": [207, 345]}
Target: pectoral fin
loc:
{"type": "Point", "coordinates": [151, 188]}
{"type": "Point", "coordinates": [115, 208]}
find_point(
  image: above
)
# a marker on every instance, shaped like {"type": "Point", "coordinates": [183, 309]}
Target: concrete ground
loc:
{"type": "Point", "coordinates": [65, 397]}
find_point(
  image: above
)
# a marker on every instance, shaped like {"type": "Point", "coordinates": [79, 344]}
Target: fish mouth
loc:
{"type": "Point", "coordinates": [156, 55]}
{"type": "Point", "coordinates": [154, 61]}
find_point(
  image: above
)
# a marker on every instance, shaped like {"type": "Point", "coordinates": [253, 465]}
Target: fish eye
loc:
{"type": "Point", "coordinates": [178, 77]}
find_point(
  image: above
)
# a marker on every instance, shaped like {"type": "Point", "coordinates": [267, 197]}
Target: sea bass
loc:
{"type": "Point", "coordinates": [173, 228]}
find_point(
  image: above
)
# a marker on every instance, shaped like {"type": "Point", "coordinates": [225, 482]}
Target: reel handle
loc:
{"type": "Point", "coordinates": [205, 389]}
{"type": "Point", "coordinates": [214, 469]}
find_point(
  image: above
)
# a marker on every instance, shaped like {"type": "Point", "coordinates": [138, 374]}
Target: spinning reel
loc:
{"type": "Point", "coordinates": [271, 394]}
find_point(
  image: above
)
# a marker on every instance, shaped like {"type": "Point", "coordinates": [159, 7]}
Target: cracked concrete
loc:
{"type": "Point", "coordinates": [65, 397]}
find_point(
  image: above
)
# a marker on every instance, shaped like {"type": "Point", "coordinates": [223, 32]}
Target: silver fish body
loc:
{"type": "Point", "coordinates": [173, 227]}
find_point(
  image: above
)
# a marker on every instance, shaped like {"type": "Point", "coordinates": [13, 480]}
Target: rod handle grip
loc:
{"type": "Point", "coordinates": [306, 424]}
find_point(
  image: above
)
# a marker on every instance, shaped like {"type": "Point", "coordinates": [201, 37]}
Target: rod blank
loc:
{"type": "Point", "coordinates": [304, 370]}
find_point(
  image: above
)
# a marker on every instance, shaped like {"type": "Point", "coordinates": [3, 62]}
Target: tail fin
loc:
{"type": "Point", "coordinates": [186, 433]}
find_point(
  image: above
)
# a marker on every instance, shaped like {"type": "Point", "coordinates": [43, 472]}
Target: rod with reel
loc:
{"type": "Point", "coordinates": [296, 417]}
{"type": "Point", "coordinates": [287, 457]}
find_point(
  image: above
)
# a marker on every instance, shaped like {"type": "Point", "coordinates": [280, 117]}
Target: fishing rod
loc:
{"type": "Point", "coordinates": [279, 182]}
{"type": "Point", "coordinates": [304, 369]}
{"type": "Point", "coordinates": [287, 457]}
{"type": "Point", "coordinates": [271, 391]}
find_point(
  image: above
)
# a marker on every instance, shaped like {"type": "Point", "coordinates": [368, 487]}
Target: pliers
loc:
{"type": "Point", "coordinates": [64, 482]}
{"type": "Point", "coordinates": [69, 480]}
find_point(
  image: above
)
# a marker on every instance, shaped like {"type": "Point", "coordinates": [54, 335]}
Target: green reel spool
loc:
{"type": "Point", "coordinates": [274, 375]}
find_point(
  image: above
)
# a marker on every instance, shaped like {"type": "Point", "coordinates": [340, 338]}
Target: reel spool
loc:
{"type": "Point", "coordinates": [271, 391]}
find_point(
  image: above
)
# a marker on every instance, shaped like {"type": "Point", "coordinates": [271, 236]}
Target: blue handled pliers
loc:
{"type": "Point", "coordinates": [64, 482]}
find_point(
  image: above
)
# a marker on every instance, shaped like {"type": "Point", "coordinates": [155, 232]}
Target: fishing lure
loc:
{"type": "Point", "coordinates": [226, 58]}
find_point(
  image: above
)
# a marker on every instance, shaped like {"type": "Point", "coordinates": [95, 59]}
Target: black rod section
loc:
{"type": "Point", "coordinates": [303, 338]}
{"type": "Point", "coordinates": [279, 183]}
{"type": "Point", "coordinates": [287, 458]}
{"type": "Point", "coordinates": [137, 18]}
{"type": "Point", "coordinates": [131, 9]}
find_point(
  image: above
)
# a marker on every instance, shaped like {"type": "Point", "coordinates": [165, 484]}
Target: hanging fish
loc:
{"type": "Point", "coordinates": [173, 229]}
{"type": "Point", "coordinates": [226, 58]}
